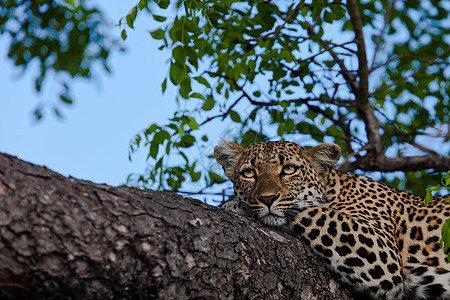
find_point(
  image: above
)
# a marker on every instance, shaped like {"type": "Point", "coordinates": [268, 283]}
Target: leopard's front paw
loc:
{"type": "Point", "coordinates": [238, 207]}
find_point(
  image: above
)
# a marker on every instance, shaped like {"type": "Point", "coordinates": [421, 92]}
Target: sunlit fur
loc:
{"type": "Point", "coordinates": [382, 242]}
{"type": "Point", "coordinates": [268, 163]}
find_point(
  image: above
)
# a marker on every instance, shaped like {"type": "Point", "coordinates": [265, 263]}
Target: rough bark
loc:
{"type": "Point", "coordinates": [66, 238]}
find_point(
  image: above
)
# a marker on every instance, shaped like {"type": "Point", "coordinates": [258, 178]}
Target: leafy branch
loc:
{"type": "Point", "coordinates": [418, 71]}
{"type": "Point", "coordinates": [295, 79]}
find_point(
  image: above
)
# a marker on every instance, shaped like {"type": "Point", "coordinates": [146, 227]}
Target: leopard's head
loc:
{"type": "Point", "coordinates": [277, 179]}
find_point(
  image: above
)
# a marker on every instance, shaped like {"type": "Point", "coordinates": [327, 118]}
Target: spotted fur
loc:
{"type": "Point", "coordinates": [381, 241]}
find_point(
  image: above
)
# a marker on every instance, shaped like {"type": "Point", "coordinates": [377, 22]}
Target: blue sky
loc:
{"type": "Point", "coordinates": [92, 141]}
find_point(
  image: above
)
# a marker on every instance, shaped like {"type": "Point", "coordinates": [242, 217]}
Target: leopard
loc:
{"type": "Point", "coordinates": [381, 242]}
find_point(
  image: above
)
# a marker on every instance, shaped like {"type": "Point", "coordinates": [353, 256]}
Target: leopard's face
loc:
{"type": "Point", "coordinates": [277, 179]}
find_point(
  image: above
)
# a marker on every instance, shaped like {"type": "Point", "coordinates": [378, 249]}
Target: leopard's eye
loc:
{"type": "Point", "coordinates": [289, 170]}
{"type": "Point", "coordinates": [248, 173]}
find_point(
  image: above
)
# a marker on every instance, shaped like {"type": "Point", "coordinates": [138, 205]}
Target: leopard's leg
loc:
{"type": "Point", "coordinates": [239, 207]}
{"type": "Point", "coordinates": [353, 248]}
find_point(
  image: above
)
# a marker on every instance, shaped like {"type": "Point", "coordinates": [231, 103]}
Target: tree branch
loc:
{"type": "Point", "coordinates": [330, 47]}
{"type": "Point", "coordinates": [363, 106]}
{"type": "Point", "coordinates": [335, 101]}
{"type": "Point", "coordinates": [72, 239]}
{"type": "Point", "coordinates": [348, 76]}
{"type": "Point", "coordinates": [340, 122]}
{"type": "Point", "coordinates": [345, 164]}
{"type": "Point", "coordinates": [382, 163]}
{"type": "Point", "coordinates": [345, 48]}
{"type": "Point", "coordinates": [422, 148]}
{"type": "Point", "coordinates": [223, 115]}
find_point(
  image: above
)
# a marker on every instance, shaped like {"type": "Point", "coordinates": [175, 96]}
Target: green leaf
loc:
{"type": "Point", "coordinates": [196, 95]}
{"type": "Point", "coordinates": [328, 17]}
{"type": "Point", "coordinates": [154, 148]}
{"type": "Point", "coordinates": [65, 99]}
{"type": "Point", "coordinates": [192, 123]}
{"type": "Point", "coordinates": [176, 73]}
{"type": "Point", "coordinates": [446, 179]}
{"type": "Point", "coordinates": [429, 196]}
{"type": "Point", "coordinates": [338, 11]}
{"type": "Point", "coordinates": [185, 88]}
{"type": "Point", "coordinates": [131, 17]}
{"type": "Point", "coordinates": [151, 129]}
{"type": "Point", "coordinates": [164, 85]}
{"type": "Point", "coordinates": [37, 113]}
{"type": "Point", "coordinates": [251, 137]}
{"type": "Point", "coordinates": [160, 137]}
{"type": "Point", "coordinates": [195, 176]}
{"type": "Point", "coordinates": [158, 165]}
{"type": "Point", "coordinates": [142, 4]}
{"type": "Point", "coordinates": [309, 87]}
{"type": "Point", "coordinates": [168, 147]}
{"type": "Point", "coordinates": [159, 18]}
{"type": "Point", "coordinates": [178, 54]}
{"type": "Point", "coordinates": [235, 116]}
{"type": "Point", "coordinates": [209, 104]}
{"type": "Point", "coordinates": [203, 81]}
{"type": "Point", "coordinates": [215, 178]}
{"type": "Point", "coordinates": [329, 63]}
{"type": "Point", "coordinates": [445, 239]}
{"type": "Point", "coordinates": [181, 130]}
{"type": "Point", "coordinates": [163, 3]}
{"type": "Point", "coordinates": [311, 114]}
{"type": "Point", "coordinates": [123, 34]}
{"type": "Point", "coordinates": [347, 26]}
{"type": "Point", "coordinates": [158, 34]}
{"type": "Point", "coordinates": [187, 141]}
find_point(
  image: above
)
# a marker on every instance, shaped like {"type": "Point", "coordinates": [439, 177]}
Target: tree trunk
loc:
{"type": "Point", "coordinates": [67, 238]}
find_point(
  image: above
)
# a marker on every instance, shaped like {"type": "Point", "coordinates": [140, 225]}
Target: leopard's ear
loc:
{"type": "Point", "coordinates": [227, 154]}
{"type": "Point", "coordinates": [324, 156]}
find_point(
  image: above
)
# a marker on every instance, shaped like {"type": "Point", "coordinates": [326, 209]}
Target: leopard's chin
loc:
{"type": "Point", "coordinates": [273, 220]}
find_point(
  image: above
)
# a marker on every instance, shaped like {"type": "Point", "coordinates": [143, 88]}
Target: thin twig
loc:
{"type": "Point", "coordinates": [335, 101]}
{"type": "Point", "coordinates": [348, 76]}
{"type": "Point", "coordinates": [278, 29]}
{"type": "Point", "coordinates": [223, 115]}
{"type": "Point", "coordinates": [354, 153]}
{"type": "Point", "coordinates": [399, 57]}
{"type": "Point", "coordinates": [340, 122]}
{"type": "Point", "coordinates": [387, 17]}
{"type": "Point", "coordinates": [423, 148]}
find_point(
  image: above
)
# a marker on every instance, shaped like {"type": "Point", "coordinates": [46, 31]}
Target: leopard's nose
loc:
{"type": "Point", "coordinates": [268, 200]}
